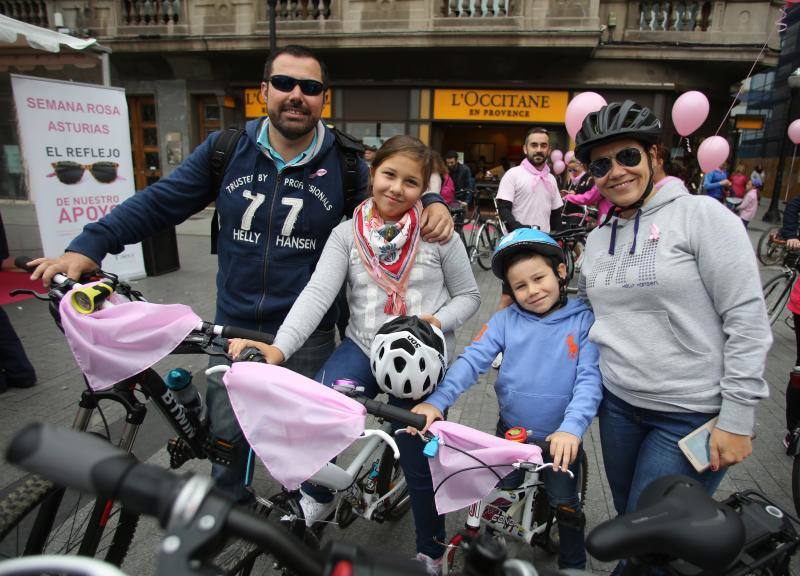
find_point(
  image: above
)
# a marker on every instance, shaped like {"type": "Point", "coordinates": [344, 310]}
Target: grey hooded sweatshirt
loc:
{"type": "Point", "coordinates": [680, 320]}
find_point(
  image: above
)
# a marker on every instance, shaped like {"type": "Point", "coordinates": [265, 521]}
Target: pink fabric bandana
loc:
{"type": "Point", "coordinates": [116, 343]}
{"type": "Point", "coordinates": [539, 174]}
{"type": "Point", "coordinates": [468, 487]}
{"type": "Point", "coordinates": [294, 424]}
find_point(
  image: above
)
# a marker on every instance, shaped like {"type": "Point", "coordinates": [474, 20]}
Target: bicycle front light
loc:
{"type": "Point", "coordinates": [87, 299]}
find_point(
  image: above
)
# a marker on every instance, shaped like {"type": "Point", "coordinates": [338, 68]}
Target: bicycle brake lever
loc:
{"type": "Point", "coordinates": [28, 292]}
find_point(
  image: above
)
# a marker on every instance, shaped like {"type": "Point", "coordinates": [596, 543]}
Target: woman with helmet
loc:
{"type": "Point", "coordinates": [389, 272]}
{"type": "Point", "coordinates": [549, 381]}
{"type": "Point", "coordinates": [680, 321]}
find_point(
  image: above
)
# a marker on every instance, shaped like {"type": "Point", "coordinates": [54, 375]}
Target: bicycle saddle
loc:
{"type": "Point", "coordinates": [675, 519]}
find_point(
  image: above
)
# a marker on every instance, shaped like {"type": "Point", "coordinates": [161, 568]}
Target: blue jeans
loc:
{"type": "Point", "coordinates": [641, 445]}
{"type": "Point", "coordinates": [562, 494]}
{"type": "Point", "coordinates": [348, 361]}
{"type": "Point", "coordinates": [222, 420]}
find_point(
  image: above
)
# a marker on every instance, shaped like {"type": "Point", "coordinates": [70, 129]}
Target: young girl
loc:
{"type": "Point", "coordinates": [389, 271]}
{"type": "Point", "coordinates": [749, 205]}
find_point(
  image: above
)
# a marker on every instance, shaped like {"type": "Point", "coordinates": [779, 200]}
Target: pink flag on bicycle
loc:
{"type": "Point", "coordinates": [461, 479]}
{"type": "Point", "coordinates": [294, 424]}
{"type": "Point", "coordinates": [115, 343]}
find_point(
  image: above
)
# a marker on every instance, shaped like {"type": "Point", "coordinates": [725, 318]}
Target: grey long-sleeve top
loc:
{"type": "Point", "coordinates": [441, 284]}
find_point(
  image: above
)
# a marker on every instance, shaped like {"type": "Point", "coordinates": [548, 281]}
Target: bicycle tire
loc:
{"type": "Point", "coordinates": [488, 236]}
{"type": "Point", "coordinates": [776, 292]}
{"type": "Point", "coordinates": [569, 262]}
{"type": "Point", "coordinates": [21, 506]}
{"type": "Point", "coordinates": [389, 472]}
{"type": "Point", "coordinates": [769, 253]}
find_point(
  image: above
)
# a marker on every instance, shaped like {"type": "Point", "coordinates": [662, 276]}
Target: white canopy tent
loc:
{"type": "Point", "coordinates": [17, 38]}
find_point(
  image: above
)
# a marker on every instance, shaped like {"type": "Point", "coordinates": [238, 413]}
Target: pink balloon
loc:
{"type": "Point", "coordinates": [712, 152]}
{"type": "Point", "coordinates": [569, 156]}
{"type": "Point", "coordinates": [556, 155]}
{"type": "Point", "coordinates": [689, 112]}
{"type": "Point", "coordinates": [559, 166]}
{"type": "Point", "coordinates": [581, 105]}
{"type": "Point", "coordinates": [794, 131]}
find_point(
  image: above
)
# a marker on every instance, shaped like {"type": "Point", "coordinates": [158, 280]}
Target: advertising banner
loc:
{"type": "Point", "coordinates": [500, 105]}
{"type": "Point", "coordinates": [76, 150]}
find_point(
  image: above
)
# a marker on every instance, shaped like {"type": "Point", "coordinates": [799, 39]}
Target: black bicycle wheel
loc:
{"type": "Point", "coordinates": [569, 262]}
{"type": "Point", "coordinates": [389, 474]}
{"type": "Point", "coordinates": [38, 517]}
{"type": "Point", "coordinates": [488, 237]}
{"type": "Point", "coordinates": [796, 484]}
{"type": "Point", "coordinates": [776, 294]}
{"type": "Point", "coordinates": [769, 253]}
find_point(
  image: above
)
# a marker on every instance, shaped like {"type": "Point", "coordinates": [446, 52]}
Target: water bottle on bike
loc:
{"type": "Point", "coordinates": [179, 381]}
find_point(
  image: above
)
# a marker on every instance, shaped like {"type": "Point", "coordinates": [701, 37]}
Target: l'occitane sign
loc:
{"type": "Point", "coordinates": [500, 105]}
{"type": "Point", "coordinates": [255, 106]}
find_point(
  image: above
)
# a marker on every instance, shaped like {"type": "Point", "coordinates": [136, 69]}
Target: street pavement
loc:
{"type": "Point", "coordinates": [55, 397]}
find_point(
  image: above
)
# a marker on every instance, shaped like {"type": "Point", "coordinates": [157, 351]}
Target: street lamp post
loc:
{"type": "Point", "coordinates": [772, 214]}
{"type": "Point", "coordinates": [272, 40]}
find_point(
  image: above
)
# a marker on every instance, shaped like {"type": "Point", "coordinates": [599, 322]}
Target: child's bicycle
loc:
{"type": "Point", "coordinates": [679, 529]}
{"type": "Point", "coordinates": [778, 288]}
{"type": "Point", "coordinates": [38, 516]}
{"type": "Point", "coordinates": [521, 514]}
{"type": "Point", "coordinates": [771, 247]}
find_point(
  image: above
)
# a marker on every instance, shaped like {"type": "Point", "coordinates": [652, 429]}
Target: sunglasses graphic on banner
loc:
{"type": "Point", "coordinates": [69, 172]}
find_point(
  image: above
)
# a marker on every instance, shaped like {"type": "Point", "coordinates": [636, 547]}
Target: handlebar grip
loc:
{"type": "Point", "coordinates": [22, 262]}
{"type": "Point", "coordinates": [234, 332]}
{"type": "Point", "coordinates": [395, 414]}
{"type": "Point", "coordinates": [90, 464]}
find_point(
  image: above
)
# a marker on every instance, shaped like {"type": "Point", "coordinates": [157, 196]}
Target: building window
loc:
{"type": "Point", "coordinates": [374, 133]}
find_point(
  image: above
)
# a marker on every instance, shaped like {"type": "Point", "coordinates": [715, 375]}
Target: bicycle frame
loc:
{"type": "Point", "coordinates": [500, 511]}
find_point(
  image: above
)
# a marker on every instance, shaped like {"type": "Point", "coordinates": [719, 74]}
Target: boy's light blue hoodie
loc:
{"type": "Point", "coordinates": [549, 380]}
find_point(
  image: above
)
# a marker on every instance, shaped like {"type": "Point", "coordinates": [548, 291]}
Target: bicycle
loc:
{"type": "Point", "coordinates": [522, 513]}
{"type": "Point", "coordinates": [573, 243]}
{"type": "Point", "coordinates": [38, 516]}
{"type": "Point", "coordinates": [483, 236]}
{"type": "Point", "coordinates": [678, 528]}
{"type": "Point", "coordinates": [771, 247]}
{"type": "Point", "coordinates": [372, 486]}
{"type": "Point", "coordinates": [778, 288]}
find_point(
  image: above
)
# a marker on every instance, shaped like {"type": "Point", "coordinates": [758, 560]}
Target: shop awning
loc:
{"type": "Point", "coordinates": [21, 34]}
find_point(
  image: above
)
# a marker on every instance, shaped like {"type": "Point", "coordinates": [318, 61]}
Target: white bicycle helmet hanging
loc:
{"type": "Point", "coordinates": [408, 357]}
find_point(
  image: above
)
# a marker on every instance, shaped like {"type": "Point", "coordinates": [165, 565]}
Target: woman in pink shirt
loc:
{"type": "Point", "coordinates": [749, 206]}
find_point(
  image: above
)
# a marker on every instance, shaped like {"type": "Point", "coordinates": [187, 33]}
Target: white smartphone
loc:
{"type": "Point", "coordinates": [695, 446]}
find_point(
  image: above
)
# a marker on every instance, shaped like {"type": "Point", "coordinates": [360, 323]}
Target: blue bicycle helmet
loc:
{"type": "Point", "coordinates": [523, 240]}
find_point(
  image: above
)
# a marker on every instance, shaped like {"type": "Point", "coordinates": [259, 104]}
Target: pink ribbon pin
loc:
{"type": "Point", "coordinates": [655, 233]}
{"type": "Point", "coordinates": [320, 172]}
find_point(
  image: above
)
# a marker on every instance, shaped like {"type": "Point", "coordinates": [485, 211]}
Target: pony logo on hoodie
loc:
{"type": "Point", "coordinates": [572, 347]}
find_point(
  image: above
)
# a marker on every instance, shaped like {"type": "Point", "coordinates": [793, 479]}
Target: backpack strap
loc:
{"type": "Point", "coordinates": [223, 150]}
{"type": "Point", "coordinates": [350, 149]}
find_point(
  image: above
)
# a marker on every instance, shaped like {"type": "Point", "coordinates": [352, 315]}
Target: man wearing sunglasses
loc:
{"type": "Point", "coordinates": [528, 194]}
{"type": "Point", "coordinates": [280, 196]}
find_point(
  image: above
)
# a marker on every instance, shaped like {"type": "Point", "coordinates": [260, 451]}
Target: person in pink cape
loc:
{"type": "Point", "coordinates": [389, 272]}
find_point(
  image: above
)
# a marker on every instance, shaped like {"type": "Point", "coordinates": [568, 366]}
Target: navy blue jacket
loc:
{"type": "Point", "coordinates": [272, 225]}
{"type": "Point", "coordinates": [789, 229]}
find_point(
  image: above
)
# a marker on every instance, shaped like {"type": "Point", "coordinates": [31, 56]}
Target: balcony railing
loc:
{"type": "Point", "coordinates": [29, 11]}
{"type": "Point", "coordinates": [303, 9]}
{"type": "Point", "coordinates": [476, 8]}
{"type": "Point", "coordinates": [151, 12]}
{"type": "Point", "coordinates": [680, 16]}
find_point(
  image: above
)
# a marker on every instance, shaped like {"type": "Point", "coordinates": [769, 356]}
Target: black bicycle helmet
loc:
{"type": "Point", "coordinates": [613, 122]}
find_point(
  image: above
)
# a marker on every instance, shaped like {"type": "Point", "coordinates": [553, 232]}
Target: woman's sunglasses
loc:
{"type": "Point", "coordinates": [287, 84]}
{"type": "Point", "coordinates": [628, 157]}
{"type": "Point", "coordinates": [69, 172]}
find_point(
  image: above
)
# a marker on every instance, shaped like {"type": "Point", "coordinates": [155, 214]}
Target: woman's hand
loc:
{"type": "Point", "coordinates": [431, 412]}
{"type": "Point", "coordinates": [431, 320]}
{"type": "Point", "coordinates": [437, 224]}
{"type": "Point", "coordinates": [727, 448]}
{"type": "Point", "coordinates": [564, 449]}
{"type": "Point", "coordinates": [793, 244]}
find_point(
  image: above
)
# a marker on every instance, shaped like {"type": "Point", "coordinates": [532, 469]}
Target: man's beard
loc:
{"type": "Point", "coordinates": [292, 130]}
{"type": "Point", "coordinates": [537, 159]}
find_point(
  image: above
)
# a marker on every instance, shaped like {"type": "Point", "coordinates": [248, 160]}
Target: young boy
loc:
{"type": "Point", "coordinates": [549, 381]}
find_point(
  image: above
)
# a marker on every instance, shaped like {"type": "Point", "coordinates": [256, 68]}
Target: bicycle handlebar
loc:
{"type": "Point", "coordinates": [393, 413]}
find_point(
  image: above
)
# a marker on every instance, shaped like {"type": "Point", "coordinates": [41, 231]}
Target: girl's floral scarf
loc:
{"type": "Point", "coordinates": [539, 174]}
{"type": "Point", "coordinates": [388, 250]}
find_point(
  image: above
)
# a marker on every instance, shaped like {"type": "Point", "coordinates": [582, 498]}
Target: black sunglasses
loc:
{"type": "Point", "coordinates": [628, 157]}
{"type": "Point", "coordinates": [71, 172]}
{"type": "Point", "coordinates": [287, 84]}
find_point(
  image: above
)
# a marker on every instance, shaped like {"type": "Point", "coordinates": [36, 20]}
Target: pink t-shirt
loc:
{"type": "Point", "coordinates": [531, 205]}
